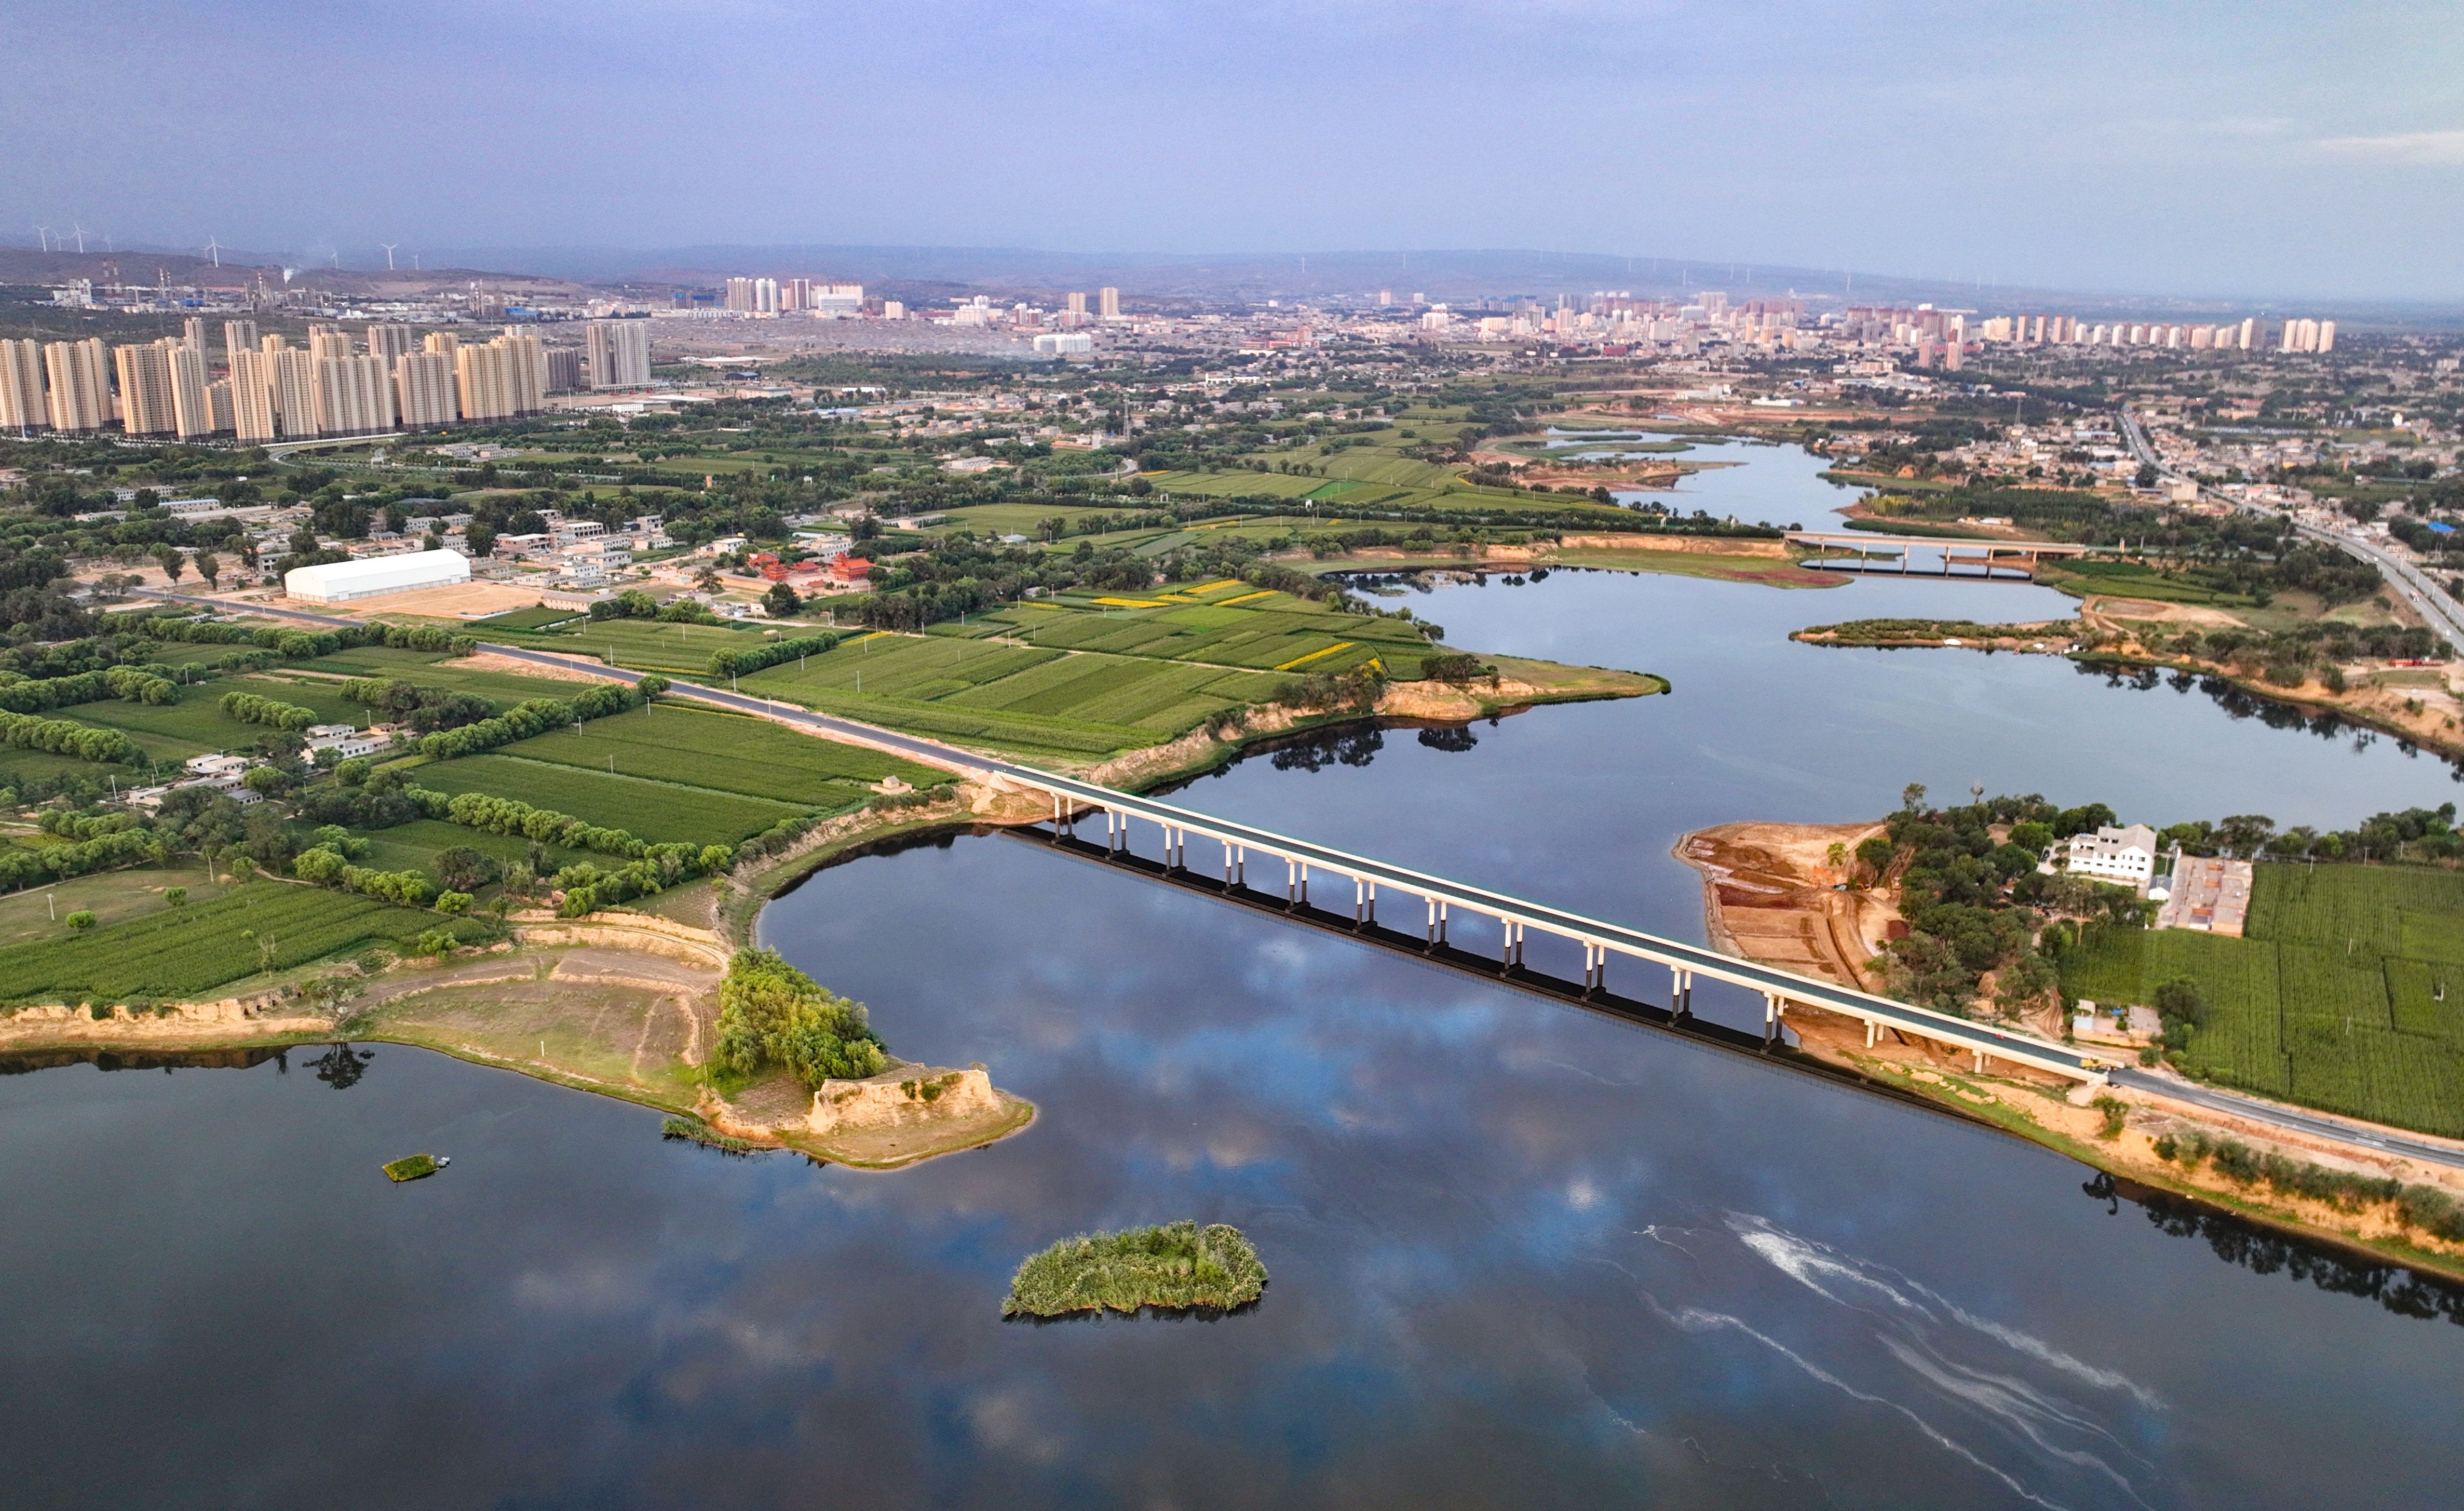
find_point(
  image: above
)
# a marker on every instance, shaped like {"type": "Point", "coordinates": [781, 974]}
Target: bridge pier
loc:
{"type": "Point", "coordinates": [1872, 1027]}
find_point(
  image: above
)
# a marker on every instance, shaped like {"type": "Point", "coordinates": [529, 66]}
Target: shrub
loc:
{"type": "Point", "coordinates": [81, 921]}
{"type": "Point", "coordinates": [250, 709]}
{"type": "Point", "coordinates": [738, 664]}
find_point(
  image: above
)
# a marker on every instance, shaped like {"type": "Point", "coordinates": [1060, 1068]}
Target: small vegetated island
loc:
{"type": "Point", "coordinates": [1175, 1267]}
{"type": "Point", "coordinates": [2298, 966]}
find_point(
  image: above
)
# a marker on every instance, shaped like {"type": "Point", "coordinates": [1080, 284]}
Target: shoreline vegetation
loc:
{"type": "Point", "coordinates": [2377, 691]}
{"type": "Point", "coordinates": [1769, 894]}
{"type": "Point", "coordinates": [1172, 1268]}
{"type": "Point", "coordinates": [609, 974]}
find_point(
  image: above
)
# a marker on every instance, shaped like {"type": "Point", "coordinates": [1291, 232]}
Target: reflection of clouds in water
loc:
{"type": "Point", "coordinates": [1927, 1340]}
{"type": "Point", "coordinates": [1696, 1321]}
{"type": "Point", "coordinates": [1801, 1258]}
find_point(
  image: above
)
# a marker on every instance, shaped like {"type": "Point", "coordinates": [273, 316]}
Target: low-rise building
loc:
{"type": "Point", "coordinates": [338, 581]}
{"type": "Point", "coordinates": [2124, 856]}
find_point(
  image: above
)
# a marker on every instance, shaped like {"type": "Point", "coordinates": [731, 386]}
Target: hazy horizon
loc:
{"type": "Point", "coordinates": [2259, 152]}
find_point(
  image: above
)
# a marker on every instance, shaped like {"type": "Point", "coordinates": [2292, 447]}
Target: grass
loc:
{"type": "Point", "coordinates": [414, 847]}
{"type": "Point", "coordinates": [1176, 1267]}
{"type": "Point", "coordinates": [661, 813]}
{"type": "Point", "coordinates": [112, 897]}
{"type": "Point", "coordinates": [183, 953]}
{"type": "Point", "coordinates": [2347, 994]}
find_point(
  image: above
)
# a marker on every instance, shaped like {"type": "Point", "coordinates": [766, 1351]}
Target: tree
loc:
{"type": "Point", "coordinates": [209, 567]}
{"type": "Point", "coordinates": [1912, 797]}
{"type": "Point", "coordinates": [169, 559]}
{"type": "Point", "coordinates": [707, 579]}
{"type": "Point", "coordinates": [481, 538]}
{"type": "Point", "coordinates": [2181, 1000]}
{"type": "Point", "coordinates": [463, 869]}
{"type": "Point", "coordinates": [781, 601]}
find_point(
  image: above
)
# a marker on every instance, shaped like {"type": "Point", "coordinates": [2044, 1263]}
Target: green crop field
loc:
{"type": "Point", "coordinates": [673, 742]}
{"type": "Point", "coordinates": [662, 813]}
{"type": "Point", "coordinates": [525, 620]}
{"type": "Point", "coordinates": [2346, 994]}
{"type": "Point", "coordinates": [644, 645]}
{"type": "Point", "coordinates": [185, 953]}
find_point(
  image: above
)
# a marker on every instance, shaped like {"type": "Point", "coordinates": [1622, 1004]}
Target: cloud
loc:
{"type": "Point", "coordinates": [2401, 146]}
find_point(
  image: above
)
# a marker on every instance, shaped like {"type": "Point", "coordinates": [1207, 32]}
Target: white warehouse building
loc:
{"type": "Point", "coordinates": [338, 580]}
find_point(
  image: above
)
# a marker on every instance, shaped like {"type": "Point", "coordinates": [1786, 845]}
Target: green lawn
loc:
{"type": "Point", "coordinates": [659, 812]}
{"type": "Point", "coordinates": [183, 953]}
{"type": "Point", "coordinates": [2347, 993]}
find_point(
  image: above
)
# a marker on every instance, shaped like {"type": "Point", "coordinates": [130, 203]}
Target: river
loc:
{"type": "Point", "coordinates": [1521, 1254]}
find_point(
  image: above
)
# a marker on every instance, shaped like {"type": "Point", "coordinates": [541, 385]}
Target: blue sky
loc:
{"type": "Point", "coordinates": [2254, 148]}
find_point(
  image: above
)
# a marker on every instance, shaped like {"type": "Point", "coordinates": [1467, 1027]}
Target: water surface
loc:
{"type": "Point", "coordinates": [1521, 1254]}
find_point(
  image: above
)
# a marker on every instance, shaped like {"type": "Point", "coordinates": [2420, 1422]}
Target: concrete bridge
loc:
{"type": "Point", "coordinates": [1442, 903]}
{"type": "Point", "coordinates": [1435, 908]}
{"type": "Point", "coordinates": [1985, 549]}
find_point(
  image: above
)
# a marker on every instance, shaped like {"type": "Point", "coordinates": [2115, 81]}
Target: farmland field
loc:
{"type": "Point", "coordinates": [661, 813]}
{"type": "Point", "coordinates": [414, 846]}
{"type": "Point", "coordinates": [2347, 994]}
{"type": "Point", "coordinates": [644, 646]}
{"type": "Point", "coordinates": [673, 742]}
{"type": "Point", "coordinates": [186, 952]}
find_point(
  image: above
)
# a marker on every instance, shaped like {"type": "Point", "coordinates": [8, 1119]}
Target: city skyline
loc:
{"type": "Point", "coordinates": [2233, 152]}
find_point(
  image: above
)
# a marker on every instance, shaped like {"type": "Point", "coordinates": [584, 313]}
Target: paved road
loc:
{"type": "Point", "coordinates": [2314, 1124]}
{"type": "Point", "coordinates": [2437, 608]}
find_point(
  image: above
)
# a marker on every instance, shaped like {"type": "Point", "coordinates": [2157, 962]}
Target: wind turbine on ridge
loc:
{"type": "Point", "coordinates": [214, 250]}
{"type": "Point", "coordinates": [45, 232]}
{"type": "Point", "coordinates": [388, 252]}
{"type": "Point", "coordinates": [80, 236]}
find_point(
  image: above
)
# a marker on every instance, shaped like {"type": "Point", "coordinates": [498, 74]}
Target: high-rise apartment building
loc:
{"type": "Point", "coordinates": [220, 417]}
{"type": "Point", "coordinates": [1077, 304]}
{"type": "Point", "coordinates": [238, 336]}
{"type": "Point", "coordinates": [424, 386]}
{"type": "Point", "coordinates": [503, 380]}
{"type": "Point", "coordinates": [354, 395]}
{"type": "Point", "coordinates": [1109, 303]}
{"type": "Point", "coordinates": [192, 413]}
{"type": "Point", "coordinates": [328, 343]}
{"type": "Point", "coordinates": [2327, 335]}
{"type": "Point", "coordinates": [251, 396]}
{"type": "Point", "coordinates": [620, 353]}
{"type": "Point", "coordinates": [23, 405]}
{"type": "Point", "coordinates": [294, 392]}
{"type": "Point", "coordinates": [79, 376]}
{"type": "Point", "coordinates": [388, 342]}
{"type": "Point", "coordinates": [442, 341]}
{"type": "Point", "coordinates": [564, 369]}
{"type": "Point", "coordinates": [192, 331]}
